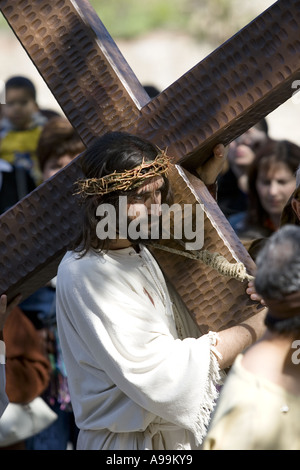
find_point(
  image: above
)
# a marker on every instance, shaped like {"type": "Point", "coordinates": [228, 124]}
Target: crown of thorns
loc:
{"type": "Point", "coordinates": [126, 180]}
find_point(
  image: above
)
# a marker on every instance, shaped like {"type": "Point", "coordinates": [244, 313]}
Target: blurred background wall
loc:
{"type": "Point", "coordinates": [161, 40]}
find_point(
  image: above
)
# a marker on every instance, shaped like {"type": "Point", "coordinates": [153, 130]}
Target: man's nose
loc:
{"type": "Point", "coordinates": [155, 208]}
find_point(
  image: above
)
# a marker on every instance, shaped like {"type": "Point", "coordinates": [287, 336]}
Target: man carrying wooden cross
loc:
{"type": "Point", "coordinates": [140, 374]}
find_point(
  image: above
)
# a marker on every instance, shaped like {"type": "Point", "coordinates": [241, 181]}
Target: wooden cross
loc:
{"type": "Point", "coordinates": [241, 82]}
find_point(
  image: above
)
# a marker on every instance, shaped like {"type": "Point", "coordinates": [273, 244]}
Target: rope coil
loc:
{"type": "Point", "coordinates": [213, 260]}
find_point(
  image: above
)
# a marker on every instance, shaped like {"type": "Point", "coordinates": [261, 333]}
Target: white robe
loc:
{"type": "Point", "coordinates": [134, 383]}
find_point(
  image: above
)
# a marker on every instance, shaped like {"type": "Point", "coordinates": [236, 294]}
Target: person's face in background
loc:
{"type": "Point", "coordinates": [275, 184]}
{"type": "Point", "coordinates": [54, 164]}
{"type": "Point", "coordinates": [242, 150]}
{"type": "Point", "coordinates": [19, 108]}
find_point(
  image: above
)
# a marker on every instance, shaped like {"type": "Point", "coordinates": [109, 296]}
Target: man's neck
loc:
{"type": "Point", "coordinates": [277, 364]}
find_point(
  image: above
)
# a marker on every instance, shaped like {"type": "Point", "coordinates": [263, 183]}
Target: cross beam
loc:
{"type": "Point", "coordinates": [242, 81]}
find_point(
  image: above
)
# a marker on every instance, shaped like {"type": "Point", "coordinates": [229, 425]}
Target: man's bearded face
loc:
{"type": "Point", "coordinates": [144, 218]}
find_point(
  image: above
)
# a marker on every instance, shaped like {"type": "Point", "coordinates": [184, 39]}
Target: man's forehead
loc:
{"type": "Point", "coordinates": [151, 184]}
{"type": "Point", "coordinates": [18, 91]}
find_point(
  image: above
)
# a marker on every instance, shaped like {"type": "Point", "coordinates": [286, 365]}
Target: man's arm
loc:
{"type": "Point", "coordinates": [236, 339]}
{"type": "Point", "coordinates": [210, 171]}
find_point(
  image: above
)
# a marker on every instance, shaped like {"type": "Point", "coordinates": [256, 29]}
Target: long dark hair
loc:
{"type": "Point", "coordinates": [271, 152]}
{"type": "Point", "coordinates": [114, 151]}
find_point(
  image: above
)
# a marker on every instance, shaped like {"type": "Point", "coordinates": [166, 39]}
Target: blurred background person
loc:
{"type": "Point", "coordinates": [152, 90]}
{"type": "Point", "coordinates": [27, 369]}
{"type": "Point", "coordinates": [58, 145]}
{"type": "Point", "coordinates": [259, 406]}
{"type": "Point", "coordinates": [15, 183]}
{"type": "Point", "coordinates": [271, 182]}
{"type": "Point", "coordinates": [233, 182]}
{"type": "Point", "coordinates": [290, 215]}
{"type": "Point", "coordinates": [21, 123]}
{"type": "Point", "coordinates": [4, 312]}
{"type": "Point", "coordinates": [21, 126]}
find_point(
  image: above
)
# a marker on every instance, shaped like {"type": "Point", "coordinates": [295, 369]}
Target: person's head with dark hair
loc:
{"type": "Point", "coordinates": [243, 149]}
{"type": "Point", "coordinates": [59, 143]}
{"type": "Point", "coordinates": [272, 180]}
{"type": "Point", "coordinates": [20, 102]}
{"type": "Point", "coordinates": [19, 82]}
{"type": "Point", "coordinates": [120, 164]}
{"type": "Point", "coordinates": [278, 279]}
{"type": "Point", "coordinates": [233, 183]}
{"type": "Point", "coordinates": [152, 90]}
{"type": "Point", "coordinates": [262, 125]}
{"type": "Point", "coordinates": [291, 211]}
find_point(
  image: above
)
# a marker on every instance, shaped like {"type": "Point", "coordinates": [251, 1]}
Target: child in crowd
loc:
{"type": "Point", "coordinates": [21, 126]}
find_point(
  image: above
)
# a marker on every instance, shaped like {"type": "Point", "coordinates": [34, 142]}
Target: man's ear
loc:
{"type": "Point", "coordinates": [296, 207]}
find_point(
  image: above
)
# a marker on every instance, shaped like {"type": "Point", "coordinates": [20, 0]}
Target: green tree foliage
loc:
{"type": "Point", "coordinates": [213, 21]}
{"type": "Point", "coordinates": [209, 20]}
